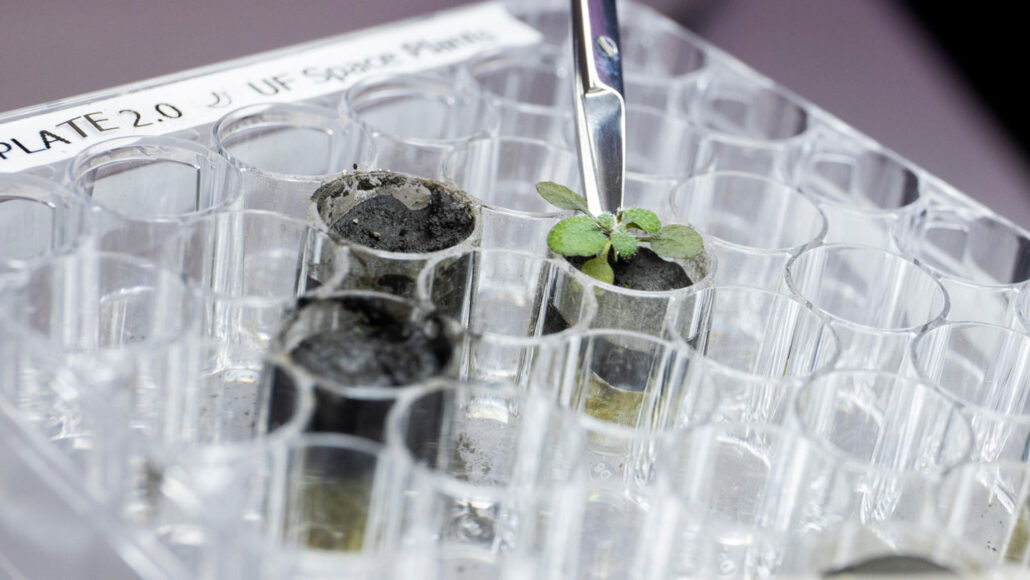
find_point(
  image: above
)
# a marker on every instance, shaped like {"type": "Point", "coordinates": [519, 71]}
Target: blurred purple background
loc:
{"type": "Point", "coordinates": [868, 62]}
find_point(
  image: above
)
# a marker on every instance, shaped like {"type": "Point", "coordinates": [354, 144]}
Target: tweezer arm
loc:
{"type": "Point", "coordinates": [600, 106]}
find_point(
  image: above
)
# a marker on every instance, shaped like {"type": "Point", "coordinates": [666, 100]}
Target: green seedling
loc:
{"type": "Point", "coordinates": [589, 235]}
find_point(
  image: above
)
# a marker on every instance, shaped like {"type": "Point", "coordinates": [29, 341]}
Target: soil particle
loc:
{"type": "Point", "coordinates": [385, 223]}
{"type": "Point", "coordinates": [645, 271]}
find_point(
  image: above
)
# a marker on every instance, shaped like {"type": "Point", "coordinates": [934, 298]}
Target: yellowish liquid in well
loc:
{"type": "Point", "coordinates": [612, 404]}
{"type": "Point", "coordinates": [335, 513]}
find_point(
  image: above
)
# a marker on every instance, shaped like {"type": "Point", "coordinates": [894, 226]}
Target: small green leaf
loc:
{"type": "Point", "coordinates": [598, 268]}
{"type": "Point", "coordinates": [562, 197]}
{"type": "Point", "coordinates": [607, 221]}
{"type": "Point", "coordinates": [676, 241]}
{"type": "Point", "coordinates": [576, 236]}
{"type": "Point", "coordinates": [642, 219]}
{"type": "Point", "coordinates": [624, 243]}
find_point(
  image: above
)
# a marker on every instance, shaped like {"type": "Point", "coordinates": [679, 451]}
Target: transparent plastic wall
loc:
{"type": "Point", "coordinates": [843, 380]}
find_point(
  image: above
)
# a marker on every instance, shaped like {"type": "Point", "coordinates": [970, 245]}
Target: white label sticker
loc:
{"type": "Point", "coordinates": [439, 40]}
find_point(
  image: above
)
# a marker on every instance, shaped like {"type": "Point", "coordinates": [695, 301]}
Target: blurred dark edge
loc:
{"type": "Point", "coordinates": [984, 43]}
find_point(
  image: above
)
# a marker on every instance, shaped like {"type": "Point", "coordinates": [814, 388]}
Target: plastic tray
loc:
{"type": "Point", "coordinates": [753, 125]}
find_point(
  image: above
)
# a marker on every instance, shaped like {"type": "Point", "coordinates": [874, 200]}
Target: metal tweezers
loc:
{"type": "Point", "coordinates": [600, 105]}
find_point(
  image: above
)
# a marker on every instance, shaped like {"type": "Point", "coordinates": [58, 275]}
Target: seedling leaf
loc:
{"type": "Point", "coordinates": [562, 197]}
{"type": "Point", "coordinates": [625, 244]}
{"type": "Point", "coordinates": [677, 242]}
{"type": "Point", "coordinates": [642, 219]}
{"type": "Point", "coordinates": [598, 268]}
{"type": "Point", "coordinates": [607, 221]}
{"type": "Point", "coordinates": [576, 236]}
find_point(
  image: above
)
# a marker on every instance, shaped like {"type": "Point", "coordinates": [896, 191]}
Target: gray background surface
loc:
{"type": "Point", "coordinates": [866, 61]}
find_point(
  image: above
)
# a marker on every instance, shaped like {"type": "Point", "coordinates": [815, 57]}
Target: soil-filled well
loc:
{"type": "Point", "coordinates": [384, 222]}
{"type": "Point", "coordinates": [372, 347]}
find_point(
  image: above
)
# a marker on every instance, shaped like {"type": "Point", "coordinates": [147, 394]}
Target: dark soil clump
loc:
{"type": "Point", "coordinates": [385, 223]}
{"type": "Point", "coordinates": [376, 351]}
{"type": "Point", "coordinates": [348, 358]}
{"type": "Point", "coordinates": [645, 271]}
